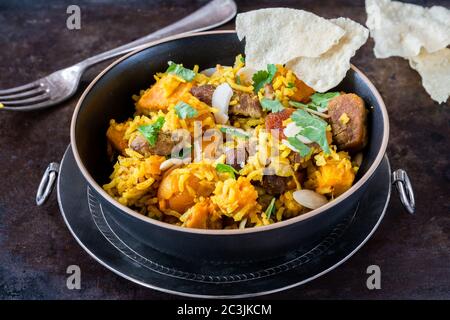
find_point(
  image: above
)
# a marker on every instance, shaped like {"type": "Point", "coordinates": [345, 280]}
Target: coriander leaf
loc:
{"type": "Point", "coordinates": [321, 99]}
{"type": "Point", "coordinates": [242, 59]}
{"type": "Point", "coordinates": [238, 80]}
{"type": "Point", "coordinates": [263, 77]}
{"type": "Point", "coordinates": [151, 131]}
{"type": "Point", "coordinates": [270, 209]}
{"type": "Point", "coordinates": [272, 70]}
{"type": "Point", "coordinates": [302, 105]}
{"type": "Point", "coordinates": [184, 110]}
{"type": "Point", "coordinates": [221, 167]}
{"type": "Point", "coordinates": [259, 79]}
{"type": "Point", "coordinates": [312, 127]}
{"type": "Point", "coordinates": [305, 119]}
{"type": "Point", "coordinates": [271, 105]}
{"type": "Point", "coordinates": [317, 135]}
{"type": "Point", "coordinates": [235, 132]}
{"type": "Point", "coordinates": [300, 147]}
{"type": "Point", "coordinates": [180, 71]}
{"type": "Point", "coordinates": [290, 85]}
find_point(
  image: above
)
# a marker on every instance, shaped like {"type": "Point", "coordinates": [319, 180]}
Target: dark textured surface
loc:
{"type": "Point", "coordinates": [413, 252]}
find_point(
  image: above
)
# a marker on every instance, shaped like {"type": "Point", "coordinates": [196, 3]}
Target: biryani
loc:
{"type": "Point", "coordinates": [233, 147]}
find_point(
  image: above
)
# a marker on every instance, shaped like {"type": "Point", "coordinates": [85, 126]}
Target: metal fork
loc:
{"type": "Point", "coordinates": [62, 84]}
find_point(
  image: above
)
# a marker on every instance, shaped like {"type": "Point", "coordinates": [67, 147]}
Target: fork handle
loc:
{"type": "Point", "coordinates": [213, 14]}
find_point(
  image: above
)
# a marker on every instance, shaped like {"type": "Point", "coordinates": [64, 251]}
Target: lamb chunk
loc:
{"type": "Point", "coordinates": [248, 106]}
{"type": "Point", "coordinates": [162, 147]}
{"type": "Point", "coordinates": [275, 185]}
{"type": "Point", "coordinates": [203, 93]}
{"type": "Point", "coordinates": [349, 134]}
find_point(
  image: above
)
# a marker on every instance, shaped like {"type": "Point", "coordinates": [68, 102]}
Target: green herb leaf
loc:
{"type": "Point", "coordinates": [290, 85]}
{"type": "Point", "coordinates": [242, 59]}
{"type": "Point", "coordinates": [272, 70]}
{"type": "Point", "coordinates": [259, 79]}
{"type": "Point", "coordinates": [321, 99]}
{"type": "Point", "coordinates": [300, 147]}
{"type": "Point", "coordinates": [184, 110]}
{"type": "Point", "coordinates": [151, 131]}
{"type": "Point", "coordinates": [263, 77]}
{"type": "Point", "coordinates": [270, 209]}
{"type": "Point", "coordinates": [238, 80]}
{"type": "Point", "coordinates": [235, 132]}
{"type": "Point", "coordinates": [221, 167]}
{"type": "Point", "coordinates": [312, 127]}
{"type": "Point", "coordinates": [302, 105]}
{"type": "Point", "coordinates": [180, 71]}
{"type": "Point", "coordinates": [271, 105]}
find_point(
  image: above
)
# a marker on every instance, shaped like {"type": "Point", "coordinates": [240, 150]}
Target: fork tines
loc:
{"type": "Point", "coordinates": [24, 96]}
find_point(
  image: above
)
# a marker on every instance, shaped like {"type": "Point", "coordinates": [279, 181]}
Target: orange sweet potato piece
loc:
{"type": "Point", "coordinates": [165, 91]}
{"type": "Point", "coordinates": [115, 136]}
{"type": "Point", "coordinates": [303, 91]}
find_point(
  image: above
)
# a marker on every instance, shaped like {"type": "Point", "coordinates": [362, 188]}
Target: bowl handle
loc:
{"type": "Point", "coordinates": [401, 180]}
{"type": "Point", "coordinates": [47, 183]}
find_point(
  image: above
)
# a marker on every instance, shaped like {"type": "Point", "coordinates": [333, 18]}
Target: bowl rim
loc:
{"type": "Point", "coordinates": [172, 227]}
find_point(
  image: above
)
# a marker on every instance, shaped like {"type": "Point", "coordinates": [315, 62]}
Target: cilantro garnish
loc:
{"type": "Point", "coordinates": [235, 132]}
{"type": "Point", "coordinates": [184, 110]}
{"type": "Point", "coordinates": [303, 105]}
{"type": "Point", "coordinates": [151, 131]}
{"type": "Point", "coordinates": [263, 77]}
{"type": "Point", "coordinates": [312, 127]}
{"type": "Point", "coordinates": [271, 105]}
{"type": "Point", "coordinates": [180, 71]}
{"type": "Point", "coordinates": [319, 101]}
{"type": "Point", "coordinates": [299, 146]}
{"type": "Point", "coordinates": [221, 167]}
{"type": "Point", "coordinates": [322, 99]}
{"type": "Point", "coordinates": [270, 209]}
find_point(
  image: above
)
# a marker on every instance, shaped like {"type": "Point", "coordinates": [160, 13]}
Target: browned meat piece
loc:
{"type": "Point", "coordinates": [348, 118]}
{"type": "Point", "coordinates": [248, 106]}
{"type": "Point", "coordinates": [203, 93]}
{"type": "Point", "coordinates": [275, 185]}
{"type": "Point", "coordinates": [274, 121]}
{"type": "Point", "coordinates": [162, 147]}
{"type": "Point", "coordinates": [300, 175]}
{"type": "Point", "coordinates": [268, 91]}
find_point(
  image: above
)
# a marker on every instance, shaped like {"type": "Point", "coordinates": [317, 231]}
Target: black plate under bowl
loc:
{"type": "Point", "coordinates": [106, 242]}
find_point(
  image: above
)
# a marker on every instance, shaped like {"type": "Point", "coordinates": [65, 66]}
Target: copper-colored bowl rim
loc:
{"type": "Point", "coordinates": [280, 224]}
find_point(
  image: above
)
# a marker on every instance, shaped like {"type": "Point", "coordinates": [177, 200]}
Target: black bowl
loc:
{"type": "Point", "coordinates": [109, 97]}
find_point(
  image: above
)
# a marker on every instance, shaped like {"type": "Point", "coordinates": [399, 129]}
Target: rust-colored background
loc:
{"type": "Point", "coordinates": [413, 252]}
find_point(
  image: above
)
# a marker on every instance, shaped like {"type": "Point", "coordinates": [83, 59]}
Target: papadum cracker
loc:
{"type": "Point", "coordinates": [402, 29]}
{"type": "Point", "coordinates": [434, 68]}
{"type": "Point", "coordinates": [278, 35]}
{"type": "Point", "coordinates": [329, 69]}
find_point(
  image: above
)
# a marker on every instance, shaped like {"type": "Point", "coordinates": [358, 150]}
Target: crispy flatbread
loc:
{"type": "Point", "coordinates": [329, 69]}
{"type": "Point", "coordinates": [278, 35]}
{"type": "Point", "coordinates": [402, 29]}
{"type": "Point", "coordinates": [434, 68]}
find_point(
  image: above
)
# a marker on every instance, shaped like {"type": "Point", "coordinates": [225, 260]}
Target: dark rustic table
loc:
{"type": "Point", "coordinates": [413, 252]}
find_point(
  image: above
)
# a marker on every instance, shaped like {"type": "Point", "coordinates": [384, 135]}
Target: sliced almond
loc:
{"type": "Point", "coordinates": [309, 198]}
